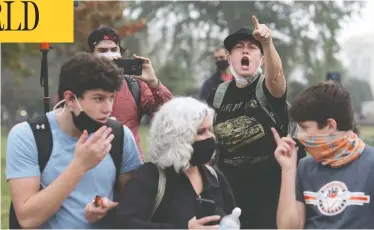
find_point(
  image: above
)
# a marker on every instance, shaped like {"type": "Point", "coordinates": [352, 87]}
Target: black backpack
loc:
{"type": "Point", "coordinates": [134, 87]}
{"type": "Point", "coordinates": [283, 129]}
{"type": "Point", "coordinates": [288, 128]}
{"type": "Point", "coordinates": [44, 142]}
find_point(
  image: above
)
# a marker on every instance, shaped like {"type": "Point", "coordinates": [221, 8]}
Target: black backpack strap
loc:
{"type": "Point", "coordinates": [43, 138]}
{"type": "Point", "coordinates": [117, 149]}
{"type": "Point", "coordinates": [267, 108]}
{"type": "Point", "coordinates": [218, 96]}
{"type": "Point", "coordinates": [44, 143]}
{"type": "Point", "coordinates": [134, 87]}
{"type": "Point", "coordinates": [110, 221]}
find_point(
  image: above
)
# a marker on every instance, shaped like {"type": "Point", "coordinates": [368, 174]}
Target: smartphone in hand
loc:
{"type": "Point", "coordinates": [205, 207]}
{"type": "Point", "coordinates": [130, 66]}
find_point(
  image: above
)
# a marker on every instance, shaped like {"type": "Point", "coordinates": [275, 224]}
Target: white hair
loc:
{"type": "Point", "coordinates": [173, 130]}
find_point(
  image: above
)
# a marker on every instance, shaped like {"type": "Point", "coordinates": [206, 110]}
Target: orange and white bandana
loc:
{"type": "Point", "coordinates": [335, 150]}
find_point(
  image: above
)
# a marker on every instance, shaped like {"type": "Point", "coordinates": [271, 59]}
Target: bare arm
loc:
{"type": "Point", "coordinates": [34, 207]}
{"type": "Point", "coordinates": [274, 77]}
{"type": "Point", "coordinates": [291, 213]}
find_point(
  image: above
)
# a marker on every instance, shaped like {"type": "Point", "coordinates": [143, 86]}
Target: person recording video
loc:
{"type": "Point", "coordinates": [139, 94]}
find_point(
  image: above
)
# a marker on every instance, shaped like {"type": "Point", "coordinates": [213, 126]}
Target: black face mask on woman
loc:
{"type": "Point", "coordinates": [203, 151]}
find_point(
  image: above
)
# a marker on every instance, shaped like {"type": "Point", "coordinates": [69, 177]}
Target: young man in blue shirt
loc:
{"type": "Point", "coordinates": [80, 166]}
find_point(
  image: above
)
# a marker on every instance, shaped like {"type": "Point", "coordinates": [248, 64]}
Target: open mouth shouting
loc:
{"type": "Point", "coordinates": [245, 63]}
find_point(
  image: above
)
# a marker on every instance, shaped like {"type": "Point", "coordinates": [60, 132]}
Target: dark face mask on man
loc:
{"type": "Point", "coordinates": [85, 122]}
{"type": "Point", "coordinates": [203, 151]}
{"type": "Point", "coordinates": [222, 64]}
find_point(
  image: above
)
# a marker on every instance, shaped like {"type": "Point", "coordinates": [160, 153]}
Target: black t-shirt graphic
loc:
{"type": "Point", "coordinates": [246, 152]}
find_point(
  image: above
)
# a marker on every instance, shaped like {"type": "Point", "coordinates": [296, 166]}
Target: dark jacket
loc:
{"type": "Point", "coordinates": [178, 204]}
{"type": "Point", "coordinates": [210, 84]}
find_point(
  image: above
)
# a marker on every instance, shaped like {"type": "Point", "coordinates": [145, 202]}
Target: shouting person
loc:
{"type": "Point", "coordinates": [243, 128]}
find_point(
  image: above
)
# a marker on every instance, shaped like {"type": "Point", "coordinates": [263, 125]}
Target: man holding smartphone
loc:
{"type": "Point", "coordinates": [104, 41]}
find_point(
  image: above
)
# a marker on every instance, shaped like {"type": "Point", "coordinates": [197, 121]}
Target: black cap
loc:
{"type": "Point", "coordinates": [102, 33]}
{"type": "Point", "coordinates": [243, 33]}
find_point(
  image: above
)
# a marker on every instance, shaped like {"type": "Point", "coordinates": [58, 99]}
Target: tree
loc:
{"type": "Point", "coordinates": [178, 80]}
{"type": "Point", "coordinates": [18, 60]}
{"type": "Point", "coordinates": [93, 14]}
{"type": "Point", "coordinates": [12, 57]}
{"type": "Point", "coordinates": [87, 16]}
{"type": "Point", "coordinates": [294, 89]}
{"type": "Point", "coordinates": [304, 32]}
{"type": "Point", "coordinates": [360, 92]}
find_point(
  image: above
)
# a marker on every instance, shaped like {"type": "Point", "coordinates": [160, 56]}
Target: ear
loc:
{"type": "Point", "coordinates": [332, 126]}
{"type": "Point", "coordinates": [69, 98]}
{"type": "Point", "coordinates": [229, 58]}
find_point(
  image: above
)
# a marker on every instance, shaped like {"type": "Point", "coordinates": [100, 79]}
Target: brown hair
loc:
{"type": "Point", "coordinates": [86, 71]}
{"type": "Point", "coordinates": [322, 101]}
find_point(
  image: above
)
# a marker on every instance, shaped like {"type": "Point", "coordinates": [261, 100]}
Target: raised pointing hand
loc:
{"type": "Point", "coordinates": [261, 32]}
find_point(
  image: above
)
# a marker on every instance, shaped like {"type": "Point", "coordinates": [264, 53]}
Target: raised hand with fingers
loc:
{"type": "Point", "coordinates": [203, 223]}
{"type": "Point", "coordinates": [285, 153]}
{"type": "Point", "coordinates": [261, 33]}
{"type": "Point", "coordinates": [148, 74]}
{"type": "Point", "coordinates": [94, 214]}
{"type": "Point", "coordinates": [89, 153]}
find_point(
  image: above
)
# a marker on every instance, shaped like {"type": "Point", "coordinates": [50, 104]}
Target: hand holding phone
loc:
{"type": "Point", "coordinates": [205, 208]}
{"type": "Point", "coordinates": [130, 66]}
{"type": "Point", "coordinates": [205, 222]}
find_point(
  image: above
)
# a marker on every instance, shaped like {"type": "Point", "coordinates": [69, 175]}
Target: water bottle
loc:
{"type": "Point", "coordinates": [231, 221]}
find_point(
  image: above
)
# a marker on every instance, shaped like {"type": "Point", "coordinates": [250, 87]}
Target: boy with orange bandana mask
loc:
{"type": "Point", "coordinates": [332, 187]}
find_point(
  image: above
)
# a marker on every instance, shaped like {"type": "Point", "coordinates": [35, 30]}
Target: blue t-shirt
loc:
{"type": "Point", "coordinates": [22, 161]}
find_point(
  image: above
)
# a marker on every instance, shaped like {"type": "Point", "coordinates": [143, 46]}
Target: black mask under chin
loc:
{"type": "Point", "coordinates": [202, 151]}
{"type": "Point", "coordinates": [84, 122]}
{"type": "Point", "coordinates": [222, 64]}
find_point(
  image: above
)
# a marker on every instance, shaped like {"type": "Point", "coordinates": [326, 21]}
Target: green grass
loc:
{"type": "Point", "coordinates": [5, 195]}
{"type": "Point", "coordinates": [366, 132]}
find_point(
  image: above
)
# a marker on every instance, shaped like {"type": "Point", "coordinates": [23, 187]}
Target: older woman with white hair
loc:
{"type": "Point", "coordinates": [177, 189]}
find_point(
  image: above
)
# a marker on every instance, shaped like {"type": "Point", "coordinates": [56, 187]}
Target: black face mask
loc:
{"type": "Point", "coordinates": [203, 151]}
{"type": "Point", "coordinates": [222, 64]}
{"type": "Point", "coordinates": [84, 122]}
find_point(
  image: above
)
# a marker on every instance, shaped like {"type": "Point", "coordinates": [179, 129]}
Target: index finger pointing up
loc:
{"type": "Point", "coordinates": [255, 22]}
{"type": "Point", "coordinates": [277, 138]}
